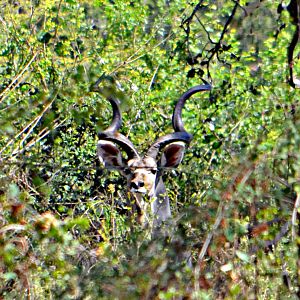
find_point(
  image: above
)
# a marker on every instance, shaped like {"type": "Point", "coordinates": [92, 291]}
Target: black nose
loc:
{"type": "Point", "coordinates": [136, 185]}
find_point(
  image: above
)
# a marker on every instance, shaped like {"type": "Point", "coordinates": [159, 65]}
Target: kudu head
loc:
{"type": "Point", "coordinates": [143, 173]}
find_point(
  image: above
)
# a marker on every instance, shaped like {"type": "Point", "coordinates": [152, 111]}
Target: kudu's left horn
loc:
{"type": "Point", "coordinates": [180, 134]}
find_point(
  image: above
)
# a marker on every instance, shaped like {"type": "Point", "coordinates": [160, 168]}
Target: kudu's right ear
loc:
{"type": "Point", "coordinates": [110, 155]}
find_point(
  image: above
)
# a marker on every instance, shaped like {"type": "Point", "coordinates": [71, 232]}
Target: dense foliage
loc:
{"type": "Point", "coordinates": [64, 226]}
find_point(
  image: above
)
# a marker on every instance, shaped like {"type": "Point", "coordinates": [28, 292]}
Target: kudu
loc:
{"type": "Point", "coordinates": [144, 173]}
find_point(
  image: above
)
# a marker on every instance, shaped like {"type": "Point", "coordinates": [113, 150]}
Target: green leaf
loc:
{"type": "Point", "coordinates": [9, 276]}
{"type": "Point", "coordinates": [242, 256]}
{"type": "Point", "coordinates": [226, 268]}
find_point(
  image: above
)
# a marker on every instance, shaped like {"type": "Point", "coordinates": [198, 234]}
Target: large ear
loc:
{"type": "Point", "coordinates": [109, 154]}
{"type": "Point", "coordinates": [172, 154]}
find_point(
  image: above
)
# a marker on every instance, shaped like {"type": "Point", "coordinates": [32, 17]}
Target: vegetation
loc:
{"type": "Point", "coordinates": [64, 226]}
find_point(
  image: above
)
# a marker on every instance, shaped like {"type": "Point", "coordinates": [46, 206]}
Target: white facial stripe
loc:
{"type": "Point", "coordinates": [139, 190]}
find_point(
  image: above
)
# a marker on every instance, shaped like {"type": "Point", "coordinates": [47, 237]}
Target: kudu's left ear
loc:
{"type": "Point", "coordinates": [109, 154]}
{"type": "Point", "coordinates": [172, 155]}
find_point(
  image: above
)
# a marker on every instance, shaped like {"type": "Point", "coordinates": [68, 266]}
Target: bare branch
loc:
{"type": "Point", "coordinates": [14, 82]}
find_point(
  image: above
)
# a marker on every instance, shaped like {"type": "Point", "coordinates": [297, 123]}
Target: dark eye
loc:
{"type": "Point", "coordinates": [127, 171]}
{"type": "Point", "coordinates": [153, 171]}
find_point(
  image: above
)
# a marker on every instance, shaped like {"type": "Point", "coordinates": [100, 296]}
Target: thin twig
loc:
{"type": "Point", "coordinates": [17, 77]}
{"type": "Point", "coordinates": [207, 241]}
{"type": "Point", "coordinates": [12, 227]}
{"type": "Point", "coordinates": [269, 243]}
{"type": "Point", "coordinates": [294, 215]}
{"type": "Point", "coordinates": [33, 142]}
{"type": "Point", "coordinates": [32, 124]}
{"type": "Point", "coordinates": [152, 82]}
{"type": "Point", "coordinates": [132, 59]}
